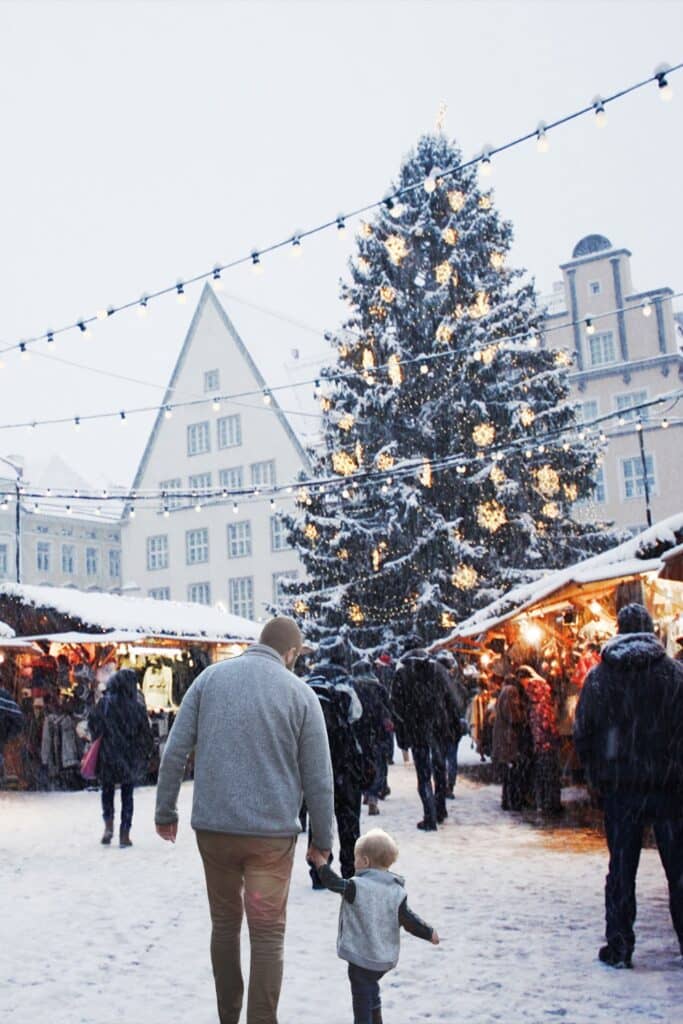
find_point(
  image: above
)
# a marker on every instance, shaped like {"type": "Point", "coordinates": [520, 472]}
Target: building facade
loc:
{"type": "Point", "coordinates": [57, 548]}
{"type": "Point", "coordinates": [228, 550]}
{"type": "Point", "coordinates": [621, 361]}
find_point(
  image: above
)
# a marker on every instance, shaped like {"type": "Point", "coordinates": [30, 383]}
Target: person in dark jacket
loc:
{"type": "Point", "coordinates": [372, 729]}
{"type": "Point", "coordinates": [121, 721]}
{"type": "Point", "coordinates": [459, 698]}
{"type": "Point", "coordinates": [629, 736]}
{"type": "Point", "coordinates": [511, 746]}
{"type": "Point", "coordinates": [342, 710]}
{"type": "Point", "coordinates": [11, 720]}
{"type": "Point", "coordinates": [423, 717]}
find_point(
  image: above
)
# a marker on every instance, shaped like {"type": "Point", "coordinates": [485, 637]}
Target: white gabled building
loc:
{"type": "Point", "coordinates": [215, 555]}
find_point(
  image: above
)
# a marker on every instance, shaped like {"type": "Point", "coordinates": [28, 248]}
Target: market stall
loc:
{"type": "Point", "coordinates": [73, 643]}
{"type": "Point", "coordinates": [557, 623]}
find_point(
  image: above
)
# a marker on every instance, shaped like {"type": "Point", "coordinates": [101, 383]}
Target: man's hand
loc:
{"type": "Point", "coordinates": [168, 832]}
{"type": "Point", "coordinates": [435, 938]}
{"type": "Point", "coordinates": [318, 858]}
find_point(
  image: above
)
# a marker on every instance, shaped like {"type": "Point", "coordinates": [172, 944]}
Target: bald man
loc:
{"type": "Point", "coordinates": [260, 747]}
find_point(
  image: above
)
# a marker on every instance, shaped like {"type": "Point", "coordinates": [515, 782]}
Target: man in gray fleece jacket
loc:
{"type": "Point", "coordinates": [260, 747]}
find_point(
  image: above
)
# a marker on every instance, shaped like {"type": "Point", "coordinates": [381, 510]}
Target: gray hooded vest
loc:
{"type": "Point", "coordinates": [369, 930]}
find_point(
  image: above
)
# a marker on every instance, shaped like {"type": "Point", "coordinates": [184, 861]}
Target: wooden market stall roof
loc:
{"type": "Point", "coordinates": [33, 610]}
{"type": "Point", "coordinates": [648, 552]}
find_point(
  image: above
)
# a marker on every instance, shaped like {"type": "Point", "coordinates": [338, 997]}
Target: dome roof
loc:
{"type": "Point", "coordinates": [591, 244]}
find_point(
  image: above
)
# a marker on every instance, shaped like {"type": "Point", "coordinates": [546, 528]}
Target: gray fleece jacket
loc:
{"type": "Point", "coordinates": [260, 748]}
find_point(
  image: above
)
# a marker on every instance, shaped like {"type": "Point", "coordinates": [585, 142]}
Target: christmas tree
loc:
{"type": "Point", "coordinates": [448, 418]}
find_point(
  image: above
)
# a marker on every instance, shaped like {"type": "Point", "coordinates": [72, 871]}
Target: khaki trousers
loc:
{"type": "Point", "coordinates": [252, 874]}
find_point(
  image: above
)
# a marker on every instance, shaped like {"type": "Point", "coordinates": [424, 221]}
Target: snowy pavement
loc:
{"type": "Point", "coordinates": [98, 936]}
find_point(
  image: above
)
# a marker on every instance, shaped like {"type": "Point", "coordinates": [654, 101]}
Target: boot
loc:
{"type": "Point", "coordinates": [373, 809]}
{"type": "Point", "coordinates": [377, 1015]}
{"type": "Point", "coordinates": [108, 831]}
{"type": "Point", "coordinates": [124, 838]}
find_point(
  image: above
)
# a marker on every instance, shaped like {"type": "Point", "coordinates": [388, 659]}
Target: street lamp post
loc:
{"type": "Point", "coordinates": [19, 471]}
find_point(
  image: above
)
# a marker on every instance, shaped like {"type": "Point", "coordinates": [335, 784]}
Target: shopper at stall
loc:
{"type": "Point", "coordinates": [629, 735]}
{"type": "Point", "coordinates": [121, 722]}
{"type": "Point", "coordinates": [545, 739]}
{"type": "Point", "coordinates": [512, 747]}
{"type": "Point", "coordinates": [459, 701]}
{"type": "Point", "coordinates": [260, 744]}
{"type": "Point", "coordinates": [373, 728]}
{"type": "Point", "coordinates": [11, 721]}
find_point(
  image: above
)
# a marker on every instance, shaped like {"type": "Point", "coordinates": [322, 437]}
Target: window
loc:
{"type": "Point", "coordinates": [90, 534]}
{"type": "Point", "coordinates": [42, 529]}
{"type": "Point", "coordinates": [212, 380]}
{"type": "Point", "coordinates": [3, 560]}
{"type": "Point", "coordinates": [114, 563]}
{"type": "Point", "coordinates": [67, 531]}
{"type": "Point", "coordinates": [594, 287]}
{"type": "Point", "coordinates": [626, 402]}
{"type": "Point", "coordinates": [199, 593]}
{"type": "Point", "coordinates": [278, 578]}
{"type": "Point", "coordinates": [239, 539]}
{"type": "Point", "coordinates": [68, 559]}
{"type": "Point", "coordinates": [92, 559]}
{"type": "Point", "coordinates": [170, 500]}
{"type": "Point", "coordinates": [232, 478]}
{"type": "Point", "coordinates": [602, 348]}
{"type": "Point", "coordinates": [599, 489]}
{"type": "Point", "coordinates": [587, 411]}
{"type": "Point", "coordinates": [200, 482]}
{"type": "Point", "coordinates": [633, 477]}
{"type": "Point", "coordinates": [278, 534]}
{"type": "Point", "coordinates": [241, 596]}
{"type": "Point", "coordinates": [43, 556]}
{"type": "Point", "coordinates": [115, 536]}
{"type": "Point", "coordinates": [229, 431]}
{"type": "Point", "coordinates": [157, 552]}
{"type": "Point", "coordinates": [263, 473]}
{"type": "Point", "coordinates": [198, 440]}
{"type": "Point", "coordinates": [160, 593]}
{"type": "Point", "coordinates": [197, 546]}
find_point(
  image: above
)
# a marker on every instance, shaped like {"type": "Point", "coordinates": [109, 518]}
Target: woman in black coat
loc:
{"type": "Point", "coordinates": [120, 719]}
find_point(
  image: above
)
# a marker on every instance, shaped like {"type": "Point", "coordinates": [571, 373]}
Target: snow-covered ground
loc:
{"type": "Point", "coordinates": [90, 935]}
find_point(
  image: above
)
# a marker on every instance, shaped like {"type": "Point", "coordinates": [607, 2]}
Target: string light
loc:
{"type": "Point", "coordinates": [77, 423]}
{"type": "Point", "coordinates": [142, 307]}
{"type": "Point", "coordinates": [542, 144]}
{"type": "Point", "coordinates": [122, 417]}
{"type": "Point", "coordinates": [23, 351]}
{"type": "Point", "coordinates": [665, 90]}
{"type": "Point", "coordinates": [50, 338]}
{"type": "Point", "coordinates": [166, 512]}
{"type": "Point", "coordinates": [216, 405]}
{"type": "Point", "coordinates": [295, 251]}
{"type": "Point", "coordinates": [168, 412]}
{"type": "Point", "coordinates": [341, 227]}
{"type": "Point", "coordinates": [485, 167]}
{"type": "Point", "coordinates": [430, 181]}
{"type": "Point", "coordinates": [600, 112]}
{"type": "Point", "coordinates": [267, 398]}
{"type": "Point", "coordinates": [181, 297]}
{"type": "Point", "coordinates": [84, 329]}
{"type": "Point", "coordinates": [101, 314]}
{"type": "Point", "coordinates": [665, 423]}
{"type": "Point", "coordinates": [256, 265]}
{"type": "Point", "coordinates": [647, 308]}
{"type": "Point", "coordinates": [590, 326]}
{"type": "Point", "coordinates": [235, 508]}
{"type": "Point", "coordinates": [217, 280]}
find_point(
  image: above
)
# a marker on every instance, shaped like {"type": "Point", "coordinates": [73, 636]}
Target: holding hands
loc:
{"type": "Point", "coordinates": [318, 858]}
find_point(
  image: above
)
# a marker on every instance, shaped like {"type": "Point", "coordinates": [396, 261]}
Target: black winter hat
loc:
{"type": "Point", "coordinates": [635, 618]}
{"type": "Point", "coordinates": [362, 669]}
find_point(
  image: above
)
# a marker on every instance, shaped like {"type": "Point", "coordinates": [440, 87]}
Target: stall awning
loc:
{"type": "Point", "coordinates": [75, 638]}
{"type": "Point", "coordinates": [16, 642]}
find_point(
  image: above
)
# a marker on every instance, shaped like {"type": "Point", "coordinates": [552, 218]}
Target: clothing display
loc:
{"type": "Point", "coordinates": [157, 685]}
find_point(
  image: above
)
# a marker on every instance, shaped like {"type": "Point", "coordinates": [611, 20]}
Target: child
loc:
{"type": "Point", "coordinates": [374, 907]}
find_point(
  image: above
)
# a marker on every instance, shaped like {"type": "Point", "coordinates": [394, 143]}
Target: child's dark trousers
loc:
{"type": "Point", "coordinates": [367, 1002]}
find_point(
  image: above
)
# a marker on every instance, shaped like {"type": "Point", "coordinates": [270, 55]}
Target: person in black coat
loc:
{"type": "Point", "coordinates": [342, 710]}
{"type": "Point", "coordinates": [120, 720]}
{"type": "Point", "coordinates": [11, 720]}
{"type": "Point", "coordinates": [629, 737]}
{"type": "Point", "coordinates": [372, 729]}
{"type": "Point", "coordinates": [425, 718]}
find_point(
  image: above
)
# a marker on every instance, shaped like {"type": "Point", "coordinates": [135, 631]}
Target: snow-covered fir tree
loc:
{"type": "Point", "coordinates": [447, 362]}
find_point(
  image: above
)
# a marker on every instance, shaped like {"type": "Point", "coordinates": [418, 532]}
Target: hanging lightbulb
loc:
{"type": "Point", "coordinates": [216, 405]}
{"type": "Point", "coordinates": [647, 308]}
{"type": "Point", "coordinates": [23, 351]}
{"type": "Point", "coordinates": [542, 144]}
{"type": "Point", "coordinates": [68, 510]}
{"type": "Point", "coordinates": [295, 251]}
{"type": "Point", "coordinates": [424, 369]}
{"type": "Point", "coordinates": [168, 412]}
{"type": "Point", "coordinates": [235, 507]}
{"type": "Point", "coordinates": [180, 293]}
{"type": "Point", "coordinates": [142, 307]}
{"type": "Point", "coordinates": [198, 506]}
{"type": "Point", "coordinates": [267, 398]}
{"type": "Point", "coordinates": [50, 337]}
{"type": "Point", "coordinates": [272, 504]}
{"type": "Point", "coordinates": [101, 314]}
{"type": "Point", "coordinates": [639, 425]}
{"type": "Point", "coordinates": [77, 423]}
{"type": "Point", "coordinates": [256, 263]}
{"type": "Point", "coordinates": [166, 512]}
{"type": "Point", "coordinates": [122, 417]}
{"type": "Point", "coordinates": [84, 329]}
{"type": "Point", "coordinates": [665, 91]}
{"type": "Point", "coordinates": [430, 181]}
{"type": "Point", "coordinates": [217, 280]}
{"type": "Point", "coordinates": [485, 167]}
{"type": "Point", "coordinates": [131, 512]}
{"type": "Point", "coordinates": [665, 423]}
{"type": "Point", "coordinates": [590, 326]}
{"type": "Point", "coordinates": [397, 210]}
{"type": "Point", "coordinates": [341, 227]}
{"type": "Point", "coordinates": [600, 112]}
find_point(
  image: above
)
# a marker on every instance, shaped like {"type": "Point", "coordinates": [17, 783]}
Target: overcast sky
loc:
{"type": "Point", "coordinates": [144, 141]}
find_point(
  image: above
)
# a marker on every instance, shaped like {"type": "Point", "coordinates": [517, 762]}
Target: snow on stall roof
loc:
{"type": "Point", "coordinates": [141, 615]}
{"type": "Point", "coordinates": [5, 630]}
{"type": "Point", "coordinates": [624, 560]}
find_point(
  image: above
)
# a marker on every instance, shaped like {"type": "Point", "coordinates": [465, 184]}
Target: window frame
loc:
{"type": "Point", "coordinates": [43, 554]}
{"type": "Point", "coordinates": [70, 548]}
{"type": "Point", "coordinates": [194, 486]}
{"type": "Point", "coordinates": [627, 412]}
{"type": "Point", "coordinates": [155, 593]}
{"type": "Point", "coordinates": [222, 481]}
{"type": "Point", "coordinates": [201, 430]}
{"type": "Point", "coordinates": [116, 553]}
{"type": "Point", "coordinates": [237, 607]}
{"type": "Point", "coordinates": [636, 462]}
{"type": "Point", "coordinates": [168, 486]}
{"type": "Point", "coordinates": [161, 557]}
{"type": "Point", "coordinates": [222, 431]}
{"type": "Point", "coordinates": [594, 291]}
{"type": "Point", "coordinates": [259, 466]}
{"type": "Point", "coordinates": [600, 337]}
{"type": "Point", "coordinates": [209, 386]}
{"type": "Point", "coordinates": [291, 574]}
{"type": "Point", "coordinates": [4, 560]}
{"type": "Point", "coordinates": [284, 546]}
{"type": "Point", "coordinates": [241, 546]}
{"type": "Point", "coordinates": [191, 588]}
{"type": "Point", "coordinates": [88, 562]}
{"type": "Point", "coordinates": [202, 546]}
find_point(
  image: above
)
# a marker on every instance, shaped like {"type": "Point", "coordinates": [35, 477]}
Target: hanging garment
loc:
{"type": "Point", "coordinates": [157, 687]}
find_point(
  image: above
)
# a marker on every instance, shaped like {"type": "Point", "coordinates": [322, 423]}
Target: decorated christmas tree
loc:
{"type": "Point", "coordinates": [450, 463]}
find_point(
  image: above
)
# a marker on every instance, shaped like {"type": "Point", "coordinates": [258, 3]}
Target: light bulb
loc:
{"type": "Point", "coordinates": [647, 308]}
{"type": "Point", "coordinates": [639, 425]}
{"type": "Point", "coordinates": [122, 417]}
{"type": "Point", "coordinates": [424, 369]}
{"type": "Point", "coordinates": [198, 507]}
{"type": "Point", "coordinates": [216, 405]}
{"type": "Point", "coordinates": [235, 507]}
{"type": "Point", "coordinates": [23, 350]}
{"type": "Point", "coordinates": [665, 423]}
{"type": "Point", "coordinates": [168, 412]}
{"type": "Point", "coordinates": [341, 227]}
{"type": "Point", "coordinates": [431, 181]}
{"type": "Point", "coordinates": [142, 306]}
{"type": "Point", "coordinates": [68, 510]}
{"type": "Point", "coordinates": [267, 399]}
{"type": "Point", "coordinates": [256, 263]}
{"type": "Point", "coordinates": [180, 293]}
{"type": "Point", "coordinates": [542, 144]}
{"type": "Point", "coordinates": [272, 504]}
{"type": "Point", "coordinates": [101, 314]}
{"type": "Point", "coordinates": [590, 326]}
{"type": "Point", "coordinates": [84, 329]}
{"type": "Point", "coordinates": [50, 337]}
{"type": "Point", "coordinates": [295, 251]}
{"type": "Point", "coordinates": [131, 512]}
{"type": "Point", "coordinates": [666, 93]}
{"type": "Point", "coordinates": [77, 423]}
{"type": "Point", "coordinates": [600, 113]}
{"type": "Point", "coordinates": [166, 512]}
{"type": "Point", "coordinates": [485, 167]}
{"type": "Point", "coordinates": [217, 280]}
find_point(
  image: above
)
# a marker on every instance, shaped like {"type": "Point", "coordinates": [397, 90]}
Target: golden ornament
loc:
{"type": "Point", "coordinates": [300, 607]}
{"type": "Point", "coordinates": [303, 497]}
{"type": "Point", "coordinates": [311, 531]}
{"type": "Point", "coordinates": [465, 577]}
{"type": "Point", "coordinates": [563, 358]}
{"type": "Point", "coordinates": [497, 475]}
{"type": "Point", "coordinates": [377, 312]}
{"type": "Point", "coordinates": [343, 463]}
{"type": "Point", "coordinates": [481, 306]}
{"type": "Point", "coordinates": [448, 621]}
{"type": "Point", "coordinates": [497, 260]}
{"type": "Point", "coordinates": [491, 516]}
{"type": "Point", "coordinates": [450, 236]}
{"type": "Point", "coordinates": [426, 473]}
{"type": "Point", "coordinates": [325, 404]}
{"type": "Point", "coordinates": [355, 614]}
{"type": "Point", "coordinates": [485, 203]}
{"type": "Point", "coordinates": [456, 200]}
{"type": "Point", "coordinates": [551, 510]}
{"type": "Point", "coordinates": [385, 460]}
{"type": "Point", "coordinates": [547, 480]}
{"type": "Point", "coordinates": [346, 421]}
{"type": "Point", "coordinates": [527, 416]}
{"type": "Point", "coordinates": [483, 434]}
{"type": "Point", "coordinates": [443, 272]}
{"type": "Point", "coordinates": [396, 248]}
{"type": "Point", "coordinates": [363, 264]}
{"type": "Point", "coordinates": [387, 294]}
{"type": "Point", "coordinates": [343, 351]}
{"type": "Point", "coordinates": [459, 312]}
{"type": "Point", "coordinates": [444, 333]}
{"type": "Point", "coordinates": [571, 491]}
{"type": "Point", "coordinates": [365, 230]}
{"type": "Point", "coordinates": [394, 370]}
{"type": "Point", "coordinates": [488, 355]}
{"type": "Point", "coordinates": [368, 359]}
{"type": "Point", "coordinates": [343, 554]}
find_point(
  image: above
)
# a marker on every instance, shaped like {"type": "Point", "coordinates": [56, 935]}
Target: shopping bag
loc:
{"type": "Point", "coordinates": [89, 760]}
